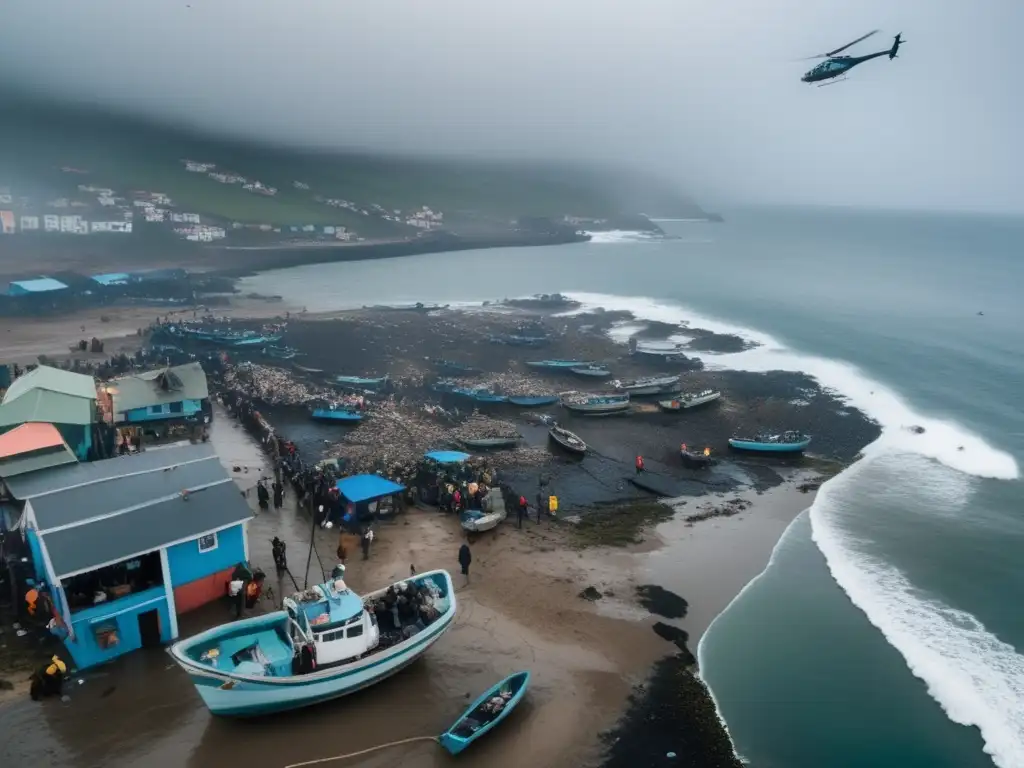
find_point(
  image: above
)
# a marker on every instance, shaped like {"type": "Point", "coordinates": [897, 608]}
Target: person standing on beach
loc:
{"type": "Point", "coordinates": [639, 464]}
{"type": "Point", "coordinates": [465, 558]}
{"type": "Point", "coordinates": [522, 507]}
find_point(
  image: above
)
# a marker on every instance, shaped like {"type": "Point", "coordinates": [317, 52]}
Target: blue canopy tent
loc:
{"type": "Point", "coordinates": [447, 457]}
{"type": "Point", "coordinates": [360, 490]}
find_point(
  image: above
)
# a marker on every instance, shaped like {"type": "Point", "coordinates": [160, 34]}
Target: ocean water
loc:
{"type": "Point", "coordinates": [887, 629]}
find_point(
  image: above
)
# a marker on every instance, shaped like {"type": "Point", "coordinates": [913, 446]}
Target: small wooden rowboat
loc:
{"type": "Point", "coordinates": [485, 713]}
{"type": "Point", "coordinates": [570, 441]}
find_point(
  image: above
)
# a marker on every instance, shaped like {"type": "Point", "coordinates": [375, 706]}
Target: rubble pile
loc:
{"type": "Point", "coordinates": [478, 427]}
{"type": "Point", "coordinates": [392, 436]}
{"type": "Point", "coordinates": [514, 383]}
{"type": "Point", "coordinates": [275, 386]}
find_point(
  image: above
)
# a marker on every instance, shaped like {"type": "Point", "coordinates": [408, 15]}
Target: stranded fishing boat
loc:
{"type": "Point", "coordinates": [595, 405]}
{"type": "Point", "coordinates": [488, 518]}
{"type": "Point", "coordinates": [337, 415]}
{"type": "Point", "coordinates": [532, 401]}
{"type": "Point", "coordinates": [591, 371]}
{"type": "Point", "coordinates": [787, 442]}
{"type": "Point", "coordinates": [570, 441]}
{"type": "Point", "coordinates": [650, 385]}
{"type": "Point", "coordinates": [360, 382]}
{"type": "Point", "coordinates": [485, 713]}
{"type": "Point", "coordinates": [280, 353]}
{"type": "Point", "coordinates": [326, 643]}
{"type": "Point", "coordinates": [484, 395]}
{"type": "Point", "coordinates": [693, 458]}
{"type": "Point", "coordinates": [558, 365]}
{"type": "Point", "coordinates": [686, 401]}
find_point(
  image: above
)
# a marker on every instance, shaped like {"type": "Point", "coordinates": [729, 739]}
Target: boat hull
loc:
{"type": "Point", "coordinates": [593, 373]}
{"type": "Point", "coordinates": [577, 449]}
{"type": "Point", "coordinates": [230, 694]}
{"type": "Point", "coordinates": [338, 417]}
{"type": "Point", "coordinates": [557, 365]}
{"type": "Point", "coordinates": [597, 410]}
{"type": "Point", "coordinates": [247, 698]}
{"type": "Point", "coordinates": [533, 401]}
{"type": "Point", "coordinates": [456, 744]}
{"type": "Point", "coordinates": [755, 446]}
{"type": "Point", "coordinates": [684, 404]}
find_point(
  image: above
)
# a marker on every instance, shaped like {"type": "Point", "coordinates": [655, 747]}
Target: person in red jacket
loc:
{"type": "Point", "coordinates": [639, 464]}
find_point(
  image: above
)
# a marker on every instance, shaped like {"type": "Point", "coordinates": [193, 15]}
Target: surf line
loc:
{"type": "Point", "coordinates": [363, 751]}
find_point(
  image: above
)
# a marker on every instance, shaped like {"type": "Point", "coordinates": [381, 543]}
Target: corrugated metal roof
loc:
{"type": "Point", "coordinates": [54, 480]}
{"type": "Point", "coordinates": [182, 382]}
{"type": "Point", "coordinates": [74, 505]}
{"type": "Point", "coordinates": [29, 437]}
{"type": "Point", "coordinates": [88, 546]}
{"type": "Point", "coordinates": [19, 465]}
{"type": "Point", "coordinates": [49, 406]}
{"type": "Point", "coordinates": [112, 278]}
{"type": "Point", "coordinates": [39, 285]}
{"type": "Point", "coordinates": [55, 380]}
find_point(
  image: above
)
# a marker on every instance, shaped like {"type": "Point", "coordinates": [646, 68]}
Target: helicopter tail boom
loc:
{"type": "Point", "coordinates": [896, 43]}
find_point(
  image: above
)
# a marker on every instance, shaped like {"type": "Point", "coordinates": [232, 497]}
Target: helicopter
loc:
{"type": "Point", "coordinates": [837, 66]}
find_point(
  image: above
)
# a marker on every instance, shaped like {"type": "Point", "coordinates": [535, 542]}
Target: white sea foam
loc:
{"type": "Point", "coordinates": [622, 236]}
{"type": "Point", "coordinates": [977, 678]}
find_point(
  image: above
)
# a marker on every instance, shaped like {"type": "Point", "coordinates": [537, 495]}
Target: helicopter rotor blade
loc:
{"type": "Point", "coordinates": [863, 37]}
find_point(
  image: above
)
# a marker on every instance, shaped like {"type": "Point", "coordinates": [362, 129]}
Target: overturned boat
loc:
{"type": "Point", "coordinates": [327, 642]}
{"type": "Point", "coordinates": [786, 442]}
{"type": "Point", "coordinates": [686, 401]}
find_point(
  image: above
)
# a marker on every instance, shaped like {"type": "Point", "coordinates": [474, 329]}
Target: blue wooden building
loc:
{"type": "Point", "coordinates": [125, 545]}
{"type": "Point", "coordinates": [175, 394]}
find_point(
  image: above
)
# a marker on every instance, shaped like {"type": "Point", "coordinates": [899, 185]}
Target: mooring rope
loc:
{"type": "Point", "coordinates": [363, 751]}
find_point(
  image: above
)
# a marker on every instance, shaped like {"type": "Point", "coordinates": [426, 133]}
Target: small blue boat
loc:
{"type": "Point", "coordinates": [326, 643]}
{"type": "Point", "coordinates": [486, 712]}
{"type": "Point", "coordinates": [559, 365]}
{"type": "Point", "coordinates": [344, 415]}
{"type": "Point", "coordinates": [532, 401]}
{"type": "Point", "coordinates": [787, 442]}
{"type": "Point", "coordinates": [360, 382]}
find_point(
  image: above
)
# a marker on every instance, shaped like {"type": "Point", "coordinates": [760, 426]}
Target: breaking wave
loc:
{"type": "Point", "coordinates": [975, 677]}
{"type": "Point", "coordinates": [622, 236]}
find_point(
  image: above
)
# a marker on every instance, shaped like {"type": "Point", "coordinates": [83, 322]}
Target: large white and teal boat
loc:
{"type": "Point", "coordinates": [327, 642]}
{"type": "Point", "coordinates": [786, 442]}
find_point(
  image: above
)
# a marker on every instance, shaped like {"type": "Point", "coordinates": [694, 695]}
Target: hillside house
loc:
{"type": "Point", "coordinates": [124, 546]}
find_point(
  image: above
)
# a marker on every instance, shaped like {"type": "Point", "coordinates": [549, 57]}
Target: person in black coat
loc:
{"type": "Point", "coordinates": [465, 558]}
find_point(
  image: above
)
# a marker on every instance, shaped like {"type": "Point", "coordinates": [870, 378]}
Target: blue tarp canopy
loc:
{"type": "Point", "coordinates": [367, 488]}
{"type": "Point", "coordinates": [447, 457]}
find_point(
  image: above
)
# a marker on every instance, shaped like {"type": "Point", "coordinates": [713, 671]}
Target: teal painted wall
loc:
{"type": "Point", "coordinates": [187, 563]}
{"type": "Point", "coordinates": [124, 613]}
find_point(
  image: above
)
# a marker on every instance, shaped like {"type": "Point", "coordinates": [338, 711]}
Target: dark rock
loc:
{"type": "Point", "coordinates": [661, 602]}
{"type": "Point", "coordinates": [591, 593]}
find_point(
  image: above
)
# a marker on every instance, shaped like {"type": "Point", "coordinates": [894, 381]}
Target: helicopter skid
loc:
{"type": "Point", "coordinates": [833, 82]}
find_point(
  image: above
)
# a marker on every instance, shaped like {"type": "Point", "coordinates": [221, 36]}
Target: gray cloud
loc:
{"type": "Point", "coordinates": [706, 92]}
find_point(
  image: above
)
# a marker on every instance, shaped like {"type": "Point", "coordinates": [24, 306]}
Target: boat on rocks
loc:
{"type": "Point", "coordinates": [570, 441]}
{"type": "Point", "coordinates": [280, 353]}
{"type": "Point", "coordinates": [686, 401]}
{"type": "Point", "coordinates": [763, 442]}
{"type": "Point", "coordinates": [588, 404]}
{"type": "Point", "coordinates": [327, 642]}
{"type": "Point", "coordinates": [559, 365]}
{"type": "Point", "coordinates": [486, 396]}
{"type": "Point", "coordinates": [245, 340]}
{"type": "Point", "coordinates": [509, 441]}
{"type": "Point", "coordinates": [532, 401]}
{"type": "Point", "coordinates": [488, 518]}
{"type": "Point", "coordinates": [695, 458]}
{"type": "Point", "coordinates": [306, 369]}
{"type": "Point", "coordinates": [649, 385]}
{"type": "Point", "coordinates": [361, 382]}
{"type": "Point", "coordinates": [337, 415]}
{"type": "Point", "coordinates": [485, 713]}
{"type": "Point", "coordinates": [591, 371]}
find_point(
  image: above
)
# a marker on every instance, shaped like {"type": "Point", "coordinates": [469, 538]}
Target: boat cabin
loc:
{"type": "Point", "coordinates": [333, 619]}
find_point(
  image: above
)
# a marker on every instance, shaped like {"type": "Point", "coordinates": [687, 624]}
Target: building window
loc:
{"type": "Point", "coordinates": [207, 542]}
{"type": "Point", "coordinates": [106, 636]}
{"type": "Point", "coordinates": [177, 407]}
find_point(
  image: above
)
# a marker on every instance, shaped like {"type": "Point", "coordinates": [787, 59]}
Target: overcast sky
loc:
{"type": "Point", "coordinates": [706, 91]}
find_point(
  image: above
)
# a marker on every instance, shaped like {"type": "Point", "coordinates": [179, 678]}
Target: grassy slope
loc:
{"type": "Point", "coordinates": [126, 154]}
